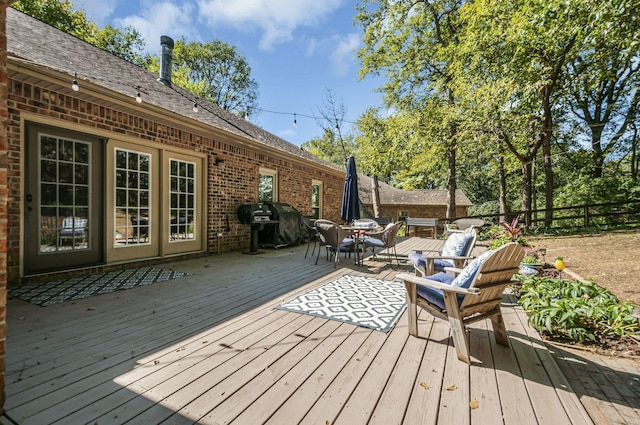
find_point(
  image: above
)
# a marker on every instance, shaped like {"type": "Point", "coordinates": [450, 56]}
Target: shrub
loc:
{"type": "Point", "coordinates": [575, 310]}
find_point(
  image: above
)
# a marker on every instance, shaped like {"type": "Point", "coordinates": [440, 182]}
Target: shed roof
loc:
{"type": "Point", "coordinates": [390, 195]}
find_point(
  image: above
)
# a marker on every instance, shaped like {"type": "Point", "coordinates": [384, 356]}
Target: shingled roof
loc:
{"type": "Point", "coordinates": [37, 44]}
{"type": "Point", "coordinates": [390, 195]}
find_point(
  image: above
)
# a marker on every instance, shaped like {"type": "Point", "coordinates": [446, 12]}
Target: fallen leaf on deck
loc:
{"type": "Point", "coordinates": [473, 404]}
{"type": "Point", "coordinates": [452, 387]}
{"type": "Point", "coordinates": [424, 385]}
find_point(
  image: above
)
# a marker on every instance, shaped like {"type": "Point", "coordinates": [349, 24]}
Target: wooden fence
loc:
{"type": "Point", "coordinates": [609, 214]}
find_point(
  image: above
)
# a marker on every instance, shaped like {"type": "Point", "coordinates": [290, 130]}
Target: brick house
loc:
{"type": "Point", "coordinates": [108, 163]}
{"type": "Point", "coordinates": [102, 164]}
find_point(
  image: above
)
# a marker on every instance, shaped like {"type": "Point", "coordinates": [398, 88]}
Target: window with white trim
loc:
{"type": "Point", "coordinates": [316, 199]}
{"type": "Point", "coordinates": [267, 185]}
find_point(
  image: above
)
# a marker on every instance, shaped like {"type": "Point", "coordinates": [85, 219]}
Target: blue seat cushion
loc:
{"type": "Point", "coordinates": [375, 242]}
{"type": "Point", "coordinates": [435, 296]}
{"type": "Point", "coordinates": [463, 280]}
{"type": "Point", "coordinates": [440, 264]}
{"type": "Point", "coordinates": [346, 245]}
{"type": "Point", "coordinates": [419, 261]}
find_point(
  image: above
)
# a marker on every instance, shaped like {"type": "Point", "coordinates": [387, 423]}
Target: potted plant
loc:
{"type": "Point", "coordinates": [531, 264]}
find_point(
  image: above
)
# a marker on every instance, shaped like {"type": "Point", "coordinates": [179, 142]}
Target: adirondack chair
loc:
{"type": "Point", "coordinates": [455, 253]}
{"type": "Point", "coordinates": [475, 294]}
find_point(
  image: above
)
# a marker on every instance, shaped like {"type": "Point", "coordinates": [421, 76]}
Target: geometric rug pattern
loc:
{"type": "Point", "coordinates": [74, 288]}
{"type": "Point", "coordinates": [362, 301]}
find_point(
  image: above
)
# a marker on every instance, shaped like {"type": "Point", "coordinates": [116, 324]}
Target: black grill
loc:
{"type": "Point", "coordinates": [273, 224]}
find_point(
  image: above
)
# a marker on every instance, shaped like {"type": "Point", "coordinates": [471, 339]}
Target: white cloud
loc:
{"type": "Point", "coordinates": [277, 19]}
{"type": "Point", "coordinates": [339, 49]}
{"type": "Point", "coordinates": [164, 18]}
{"type": "Point", "coordinates": [344, 52]}
{"type": "Point", "coordinates": [97, 11]}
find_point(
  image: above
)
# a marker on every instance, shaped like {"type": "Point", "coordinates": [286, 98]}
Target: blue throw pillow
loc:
{"type": "Point", "coordinates": [464, 279]}
{"type": "Point", "coordinates": [456, 244]}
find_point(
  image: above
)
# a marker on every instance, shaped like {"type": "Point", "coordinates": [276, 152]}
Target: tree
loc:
{"type": "Point", "coordinates": [216, 71]}
{"type": "Point", "coordinates": [385, 149]}
{"type": "Point", "coordinates": [602, 88]}
{"type": "Point", "coordinates": [410, 42]}
{"type": "Point", "coordinates": [326, 147]}
{"type": "Point", "coordinates": [128, 44]}
{"type": "Point", "coordinates": [525, 46]}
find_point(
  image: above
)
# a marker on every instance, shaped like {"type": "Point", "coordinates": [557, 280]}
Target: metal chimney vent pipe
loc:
{"type": "Point", "coordinates": [166, 60]}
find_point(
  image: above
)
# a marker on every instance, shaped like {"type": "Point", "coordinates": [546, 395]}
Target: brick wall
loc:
{"type": "Point", "coordinates": [3, 198]}
{"type": "Point", "coordinates": [228, 187]}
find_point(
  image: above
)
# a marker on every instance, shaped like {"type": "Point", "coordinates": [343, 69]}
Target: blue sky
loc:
{"type": "Point", "coordinates": [299, 50]}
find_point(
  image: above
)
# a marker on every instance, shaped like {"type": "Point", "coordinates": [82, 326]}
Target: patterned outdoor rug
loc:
{"type": "Point", "coordinates": [362, 301]}
{"type": "Point", "coordinates": [47, 293]}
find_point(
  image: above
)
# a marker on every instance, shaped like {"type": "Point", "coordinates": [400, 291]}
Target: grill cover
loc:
{"type": "Point", "coordinates": [289, 229]}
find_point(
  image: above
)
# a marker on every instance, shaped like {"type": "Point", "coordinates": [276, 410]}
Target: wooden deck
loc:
{"type": "Point", "coordinates": [210, 348]}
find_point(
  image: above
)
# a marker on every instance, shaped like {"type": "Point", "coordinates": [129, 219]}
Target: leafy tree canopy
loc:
{"type": "Point", "coordinates": [216, 72]}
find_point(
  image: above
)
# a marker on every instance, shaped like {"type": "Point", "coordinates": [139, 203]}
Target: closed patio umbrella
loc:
{"type": "Point", "coordinates": [350, 203]}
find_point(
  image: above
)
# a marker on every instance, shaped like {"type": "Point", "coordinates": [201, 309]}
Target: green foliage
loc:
{"type": "Point", "coordinates": [330, 150]}
{"type": "Point", "coordinates": [216, 71]}
{"type": "Point", "coordinates": [575, 310]}
{"type": "Point", "coordinates": [128, 44]}
{"type": "Point", "coordinates": [500, 85]}
{"type": "Point", "coordinates": [584, 189]}
{"type": "Point", "coordinates": [499, 235]}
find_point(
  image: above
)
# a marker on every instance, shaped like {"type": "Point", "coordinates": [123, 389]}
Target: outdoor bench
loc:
{"type": "Point", "coordinates": [431, 224]}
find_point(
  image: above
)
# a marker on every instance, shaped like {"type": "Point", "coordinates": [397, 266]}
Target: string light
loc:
{"type": "Point", "coordinates": [74, 85]}
{"type": "Point", "coordinates": [196, 107]}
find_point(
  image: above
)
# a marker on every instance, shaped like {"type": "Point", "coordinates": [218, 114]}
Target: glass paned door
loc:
{"type": "Point", "coordinates": [132, 185]}
{"type": "Point", "coordinates": [182, 200]}
{"type": "Point", "coordinates": [65, 210]}
{"type": "Point", "coordinates": [63, 214]}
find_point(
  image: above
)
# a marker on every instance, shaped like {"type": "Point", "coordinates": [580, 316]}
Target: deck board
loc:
{"type": "Point", "coordinates": [211, 348]}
